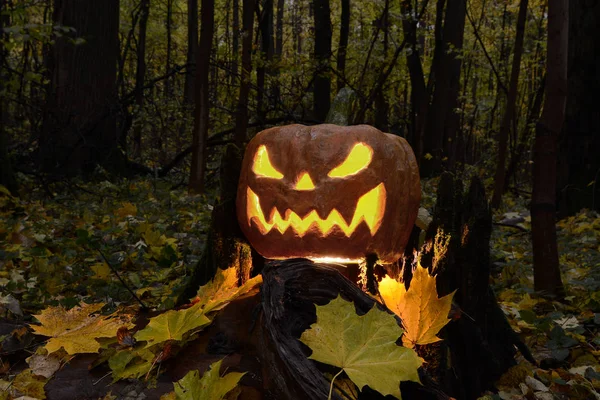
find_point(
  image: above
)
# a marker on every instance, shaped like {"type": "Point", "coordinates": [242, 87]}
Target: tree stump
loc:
{"type": "Point", "coordinates": [290, 291]}
{"type": "Point", "coordinates": [479, 344]}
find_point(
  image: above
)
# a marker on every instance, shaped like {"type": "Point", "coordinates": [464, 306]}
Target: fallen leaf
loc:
{"type": "Point", "coordinates": [77, 329]}
{"type": "Point", "coordinates": [222, 289]}
{"type": "Point", "coordinates": [173, 325]}
{"type": "Point", "coordinates": [30, 385]}
{"type": "Point", "coordinates": [131, 363]}
{"type": "Point", "coordinates": [363, 346]}
{"type": "Point", "coordinates": [11, 304]}
{"type": "Point", "coordinates": [43, 365]}
{"type": "Point", "coordinates": [210, 387]}
{"type": "Point", "coordinates": [126, 209]}
{"type": "Point", "coordinates": [423, 314]}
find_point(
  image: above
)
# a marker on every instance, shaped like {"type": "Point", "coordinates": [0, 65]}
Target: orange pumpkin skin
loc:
{"type": "Point", "coordinates": [279, 208]}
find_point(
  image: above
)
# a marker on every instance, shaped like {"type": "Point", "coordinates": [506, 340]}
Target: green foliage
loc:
{"type": "Point", "coordinates": [58, 252]}
{"type": "Point", "coordinates": [210, 387]}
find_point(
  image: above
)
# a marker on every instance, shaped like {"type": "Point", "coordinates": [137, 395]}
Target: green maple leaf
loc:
{"type": "Point", "coordinates": [131, 363]}
{"type": "Point", "coordinates": [173, 325]}
{"type": "Point", "coordinates": [210, 387]}
{"type": "Point", "coordinates": [363, 346]}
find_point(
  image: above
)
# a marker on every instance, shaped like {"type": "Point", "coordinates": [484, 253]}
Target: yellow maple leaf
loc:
{"type": "Point", "coordinates": [76, 329]}
{"type": "Point", "coordinates": [217, 293]}
{"type": "Point", "coordinates": [126, 209]}
{"type": "Point", "coordinates": [423, 314]}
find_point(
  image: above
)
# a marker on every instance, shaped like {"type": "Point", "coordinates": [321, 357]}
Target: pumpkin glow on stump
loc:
{"type": "Point", "coordinates": [328, 191]}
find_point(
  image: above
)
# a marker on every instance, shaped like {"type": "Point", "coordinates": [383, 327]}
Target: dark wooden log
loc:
{"type": "Point", "coordinates": [290, 291]}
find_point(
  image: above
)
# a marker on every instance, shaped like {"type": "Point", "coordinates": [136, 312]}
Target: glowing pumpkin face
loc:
{"type": "Point", "coordinates": [328, 191]}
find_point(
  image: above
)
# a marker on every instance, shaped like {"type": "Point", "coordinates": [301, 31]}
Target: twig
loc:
{"type": "Point", "coordinates": [98, 381]}
{"type": "Point", "coordinates": [487, 56]}
{"type": "Point", "coordinates": [112, 268]}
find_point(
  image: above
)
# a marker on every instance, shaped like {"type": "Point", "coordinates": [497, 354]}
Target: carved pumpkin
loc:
{"type": "Point", "coordinates": [328, 191]}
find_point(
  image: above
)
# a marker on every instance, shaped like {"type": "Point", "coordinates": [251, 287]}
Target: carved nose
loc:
{"type": "Point", "coordinates": [304, 182]}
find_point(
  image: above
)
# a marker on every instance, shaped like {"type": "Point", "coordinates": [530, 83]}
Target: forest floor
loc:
{"type": "Point", "coordinates": [60, 245]}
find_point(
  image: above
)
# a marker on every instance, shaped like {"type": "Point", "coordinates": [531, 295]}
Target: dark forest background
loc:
{"type": "Point", "coordinates": [502, 89]}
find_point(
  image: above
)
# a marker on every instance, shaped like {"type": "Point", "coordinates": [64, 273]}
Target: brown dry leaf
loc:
{"type": "Point", "coordinates": [30, 385]}
{"type": "Point", "coordinates": [44, 365]}
{"type": "Point", "coordinates": [77, 329]}
{"type": "Point", "coordinates": [423, 314]}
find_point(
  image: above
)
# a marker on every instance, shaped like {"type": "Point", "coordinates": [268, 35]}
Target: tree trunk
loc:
{"type": "Point", "coordinates": [442, 121]}
{"type": "Point", "coordinates": [7, 176]}
{"type": "Point", "coordinates": [236, 35]}
{"type": "Point", "coordinates": [546, 271]}
{"type": "Point", "coordinates": [322, 52]}
{"type": "Point", "coordinates": [381, 106]}
{"type": "Point", "coordinates": [278, 50]}
{"type": "Point", "coordinates": [265, 26]}
{"type": "Point", "coordinates": [79, 128]}
{"type": "Point", "coordinates": [202, 120]}
{"type": "Point", "coordinates": [192, 49]}
{"type": "Point", "coordinates": [509, 112]}
{"type": "Point", "coordinates": [169, 26]}
{"type": "Point", "coordinates": [579, 163]}
{"type": "Point", "coordinates": [419, 93]}
{"type": "Point", "coordinates": [343, 43]}
{"type": "Point", "coordinates": [140, 75]}
{"type": "Point", "coordinates": [241, 118]}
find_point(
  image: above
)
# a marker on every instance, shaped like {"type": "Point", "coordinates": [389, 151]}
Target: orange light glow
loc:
{"type": "Point", "coordinates": [359, 158]}
{"type": "Point", "coordinates": [262, 165]}
{"type": "Point", "coordinates": [305, 183]}
{"type": "Point", "coordinates": [369, 208]}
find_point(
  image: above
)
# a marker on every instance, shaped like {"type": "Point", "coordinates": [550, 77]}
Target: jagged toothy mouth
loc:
{"type": "Point", "coordinates": [370, 208]}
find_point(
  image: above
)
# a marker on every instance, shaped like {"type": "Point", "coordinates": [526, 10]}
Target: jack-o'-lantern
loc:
{"type": "Point", "coordinates": [328, 191]}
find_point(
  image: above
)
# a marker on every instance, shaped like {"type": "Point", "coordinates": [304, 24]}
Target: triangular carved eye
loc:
{"type": "Point", "coordinates": [359, 158]}
{"type": "Point", "coordinates": [262, 165]}
{"type": "Point", "coordinates": [304, 182]}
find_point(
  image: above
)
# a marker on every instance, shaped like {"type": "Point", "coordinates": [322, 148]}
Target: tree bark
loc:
{"type": "Point", "coordinates": [202, 120]}
{"type": "Point", "coordinates": [546, 271]}
{"type": "Point", "coordinates": [169, 26]}
{"type": "Point", "coordinates": [322, 52]}
{"type": "Point", "coordinates": [343, 43]}
{"type": "Point", "coordinates": [579, 163]}
{"type": "Point", "coordinates": [509, 112]}
{"type": "Point", "coordinates": [381, 105]}
{"type": "Point", "coordinates": [278, 50]}
{"type": "Point", "coordinates": [241, 119]}
{"type": "Point", "coordinates": [7, 176]}
{"type": "Point", "coordinates": [442, 121]}
{"type": "Point", "coordinates": [79, 128]}
{"type": "Point", "coordinates": [192, 49]}
{"type": "Point", "coordinates": [236, 35]}
{"type": "Point", "coordinates": [265, 26]}
{"type": "Point", "coordinates": [140, 75]}
{"type": "Point", "coordinates": [419, 93]}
